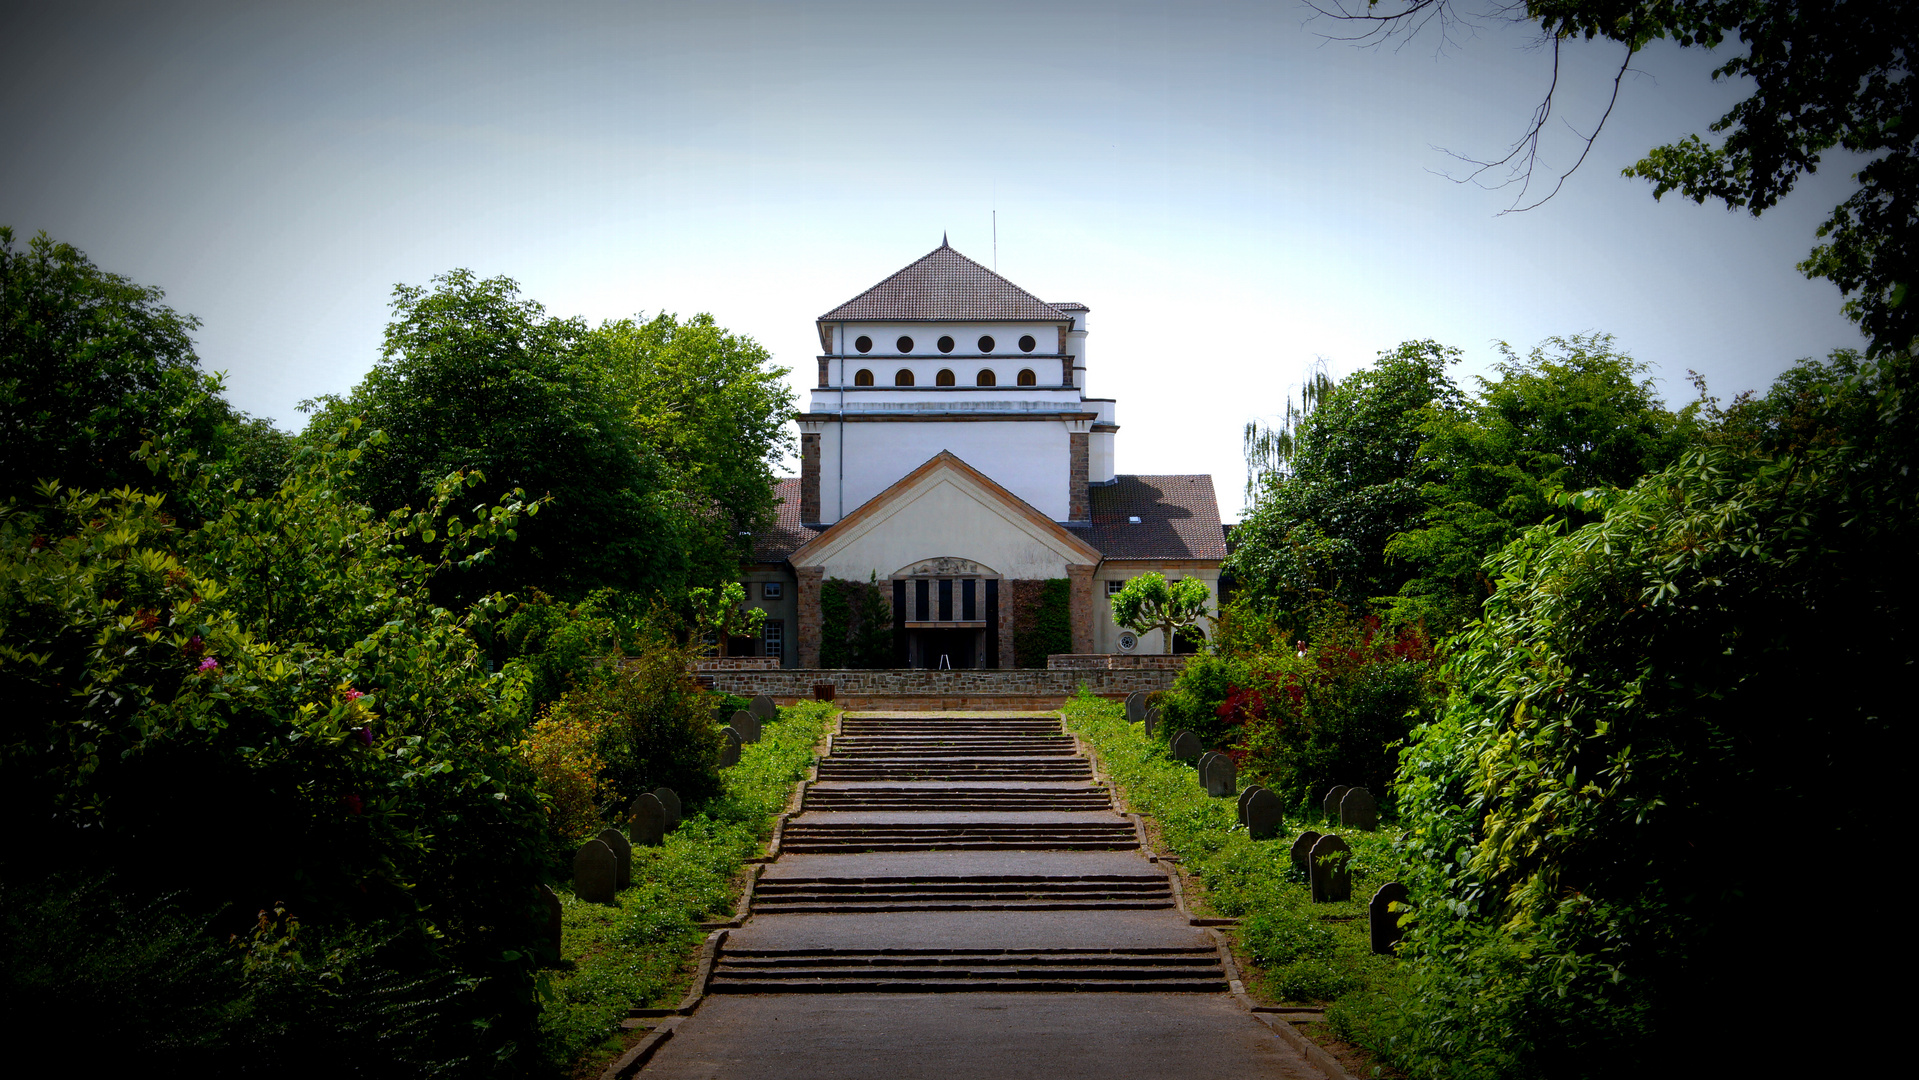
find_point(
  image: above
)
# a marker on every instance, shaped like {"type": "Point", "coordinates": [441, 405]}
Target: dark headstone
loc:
{"type": "Point", "coordinates": [646, 820]}
{"type": "Point", "coordinates": [622, 854]}
{"type": "Point", "coordinates": [1186, 746]}
{"type": "Point", "coordinates": [1262, 814]}
{"type": "Point", "coordinates": [671, 801]}
{"type": "Point", "coordinates": [1358, 811]}
{"type": "Point", "coordinates": [1331, 804]}
{"type": "Point", "coordinates": [1199, 763]}
{"type": "Point", "coordinates": [1383, 920]}
{"type": "Point", "coordinates": [1303, 851]}
{"type": "Point", "coordinates": [1152, 720]}
{"type": "Point", "coordinates": [550, 900]}
{"type": "Point", "coordinates": [730, 752]}
{"type": "Point", "coordinates": [1332, 879]}
{"type": "Point", "coordinates": [747, 725]}
{"type": "Point", "coordinates": [763, 710]}
{"type": "Point", "coordinates": [596, 873]}
{"type": "Point", "coordinates": [1136, 706]}
{"type": "Point", "coordinates": [1220, 777]}
{"type": "Point", "coordinates": [1243, 796]}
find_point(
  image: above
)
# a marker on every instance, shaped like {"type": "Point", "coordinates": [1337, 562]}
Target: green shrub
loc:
{"type": "Point", "coordinates": [856, 624]}
{"type": "Point", "coordinates": [1042, 620]}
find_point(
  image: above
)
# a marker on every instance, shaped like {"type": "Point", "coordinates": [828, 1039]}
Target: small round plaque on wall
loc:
{"type": "Point", "coordinates": [1127, 642]}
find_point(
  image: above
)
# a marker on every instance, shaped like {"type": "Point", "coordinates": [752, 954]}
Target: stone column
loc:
{"type": "Point", "coordinates": [1080, 584]}
{"type": "Point", "coordinates": [823, 369]}
{"type": "Point", "coordinates": [810, 477]}
{"type": "Point", "coordinates": [810, 578]}
{"type": "Point", "coordinates": [1080, 504]}
{"type": "Point", "coordinates": [1005, 627]}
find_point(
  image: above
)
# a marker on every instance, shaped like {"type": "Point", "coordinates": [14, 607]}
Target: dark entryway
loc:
{"type": "Point", "coordinates": [958, 646]}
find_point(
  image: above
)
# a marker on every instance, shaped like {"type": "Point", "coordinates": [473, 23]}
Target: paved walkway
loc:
{"type": "Point", "coordinates": [959, 898]}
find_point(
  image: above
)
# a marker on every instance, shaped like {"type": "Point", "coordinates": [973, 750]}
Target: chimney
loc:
{"type": "Point", "coordinates": [809, 477]}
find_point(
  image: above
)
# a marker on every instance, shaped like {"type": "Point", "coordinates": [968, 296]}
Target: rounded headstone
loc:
{"type": "Point", "coordinates": [747, 725]}
{"type": "Point", "coordinates": [1136, 706]}
{"type": "Point", "coordinates": [596, 872]}
{"type": "Point", "coordinates": [1152, 720]}
{"type": "Point", "coordinates": [1302, 851]}
{"type": "Point", "coordinates": [646, 821]}
{"type": "Point", "coordinates": [1358, 811]}
{"type": "Point", "coordinates": [1331, 803]}
{"type": "Point", "coordinates": [1243, 796]}
{"type": "Point", "coordinates": [1332, 878]}
{"type": "Point", "coordinates": [672, 803]}
{"type": "Point", "coordinates": [1185, 746]}
{"type": "Point", "coordinates": [623, 855]}
{"type": "Point", "coordinates": [1382, 920]}
{"type": "Point", "coordinates": [1263, 815]}
{"type": "Point", "coordinates": [763, 710]}
{"type": "Point", "coordinates": [1220, 776]}
{"type": "Point", "coordinates": [730, 751]}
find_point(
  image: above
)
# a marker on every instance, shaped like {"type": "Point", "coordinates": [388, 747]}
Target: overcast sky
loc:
{"type": "Point", "coordinates": [1232, 194]}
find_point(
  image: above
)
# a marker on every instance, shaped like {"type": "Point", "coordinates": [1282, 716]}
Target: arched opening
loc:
{"type": "Point", "coordinates": [1026, 344]}
{"type": "Point", "coordinates": [946, 344]}
{"type": "Point", "coordinates": [1027, 378]}
{"type": "Point", "coordinates": [987, 378]}
{"type": "Point", "coordinates": [905, 343]}
{"type": "Point", "coordinates": [863, 343]}
{"type": "Point", "coordinates": [944, 378]}
{"type": "Point", "coordinates": [902, 377]}
{"type": "Point", "coordinates": [863, 378]}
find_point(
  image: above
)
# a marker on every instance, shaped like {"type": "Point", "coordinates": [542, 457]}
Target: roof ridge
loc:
{"type": "Point", "coordinates": [916, 294]}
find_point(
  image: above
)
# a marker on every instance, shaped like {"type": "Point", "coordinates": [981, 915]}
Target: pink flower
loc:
{"type": "Point", "coordinates": [209, 664]}
{"type": "Point", "coordinates": [352, 696]}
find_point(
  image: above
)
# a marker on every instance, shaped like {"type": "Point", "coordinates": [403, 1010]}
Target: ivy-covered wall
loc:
{"type": "Point", "coordinates": [856, 625]}
{"type": "Point", "coordinates": [1042, 620]}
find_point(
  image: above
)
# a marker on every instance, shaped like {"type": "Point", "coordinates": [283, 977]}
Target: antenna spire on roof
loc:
{"type": "Point", "coordinates": [943, 242]}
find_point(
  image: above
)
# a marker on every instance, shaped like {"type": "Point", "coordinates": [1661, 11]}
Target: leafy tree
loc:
{"type": "Point", "coordinates": [1149, 602]}
{"type": "Point", "coordinates": [472, 377]}
{"type": "Point", "coordinates": [713, 408]}
{"type": "Point", "coordinates": [1593, 896]}
{"type": "Point", "coordinates": [1825, 75]}
{"type": "Point", "coordinates": [722, 613]}
{"type": "Point", "coordinates": [92, 366]}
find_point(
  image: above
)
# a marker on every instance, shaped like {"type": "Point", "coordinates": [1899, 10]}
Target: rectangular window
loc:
{"type": "Point", "coordinates": [921, 609]}
{"type": "Point", "coordinates": [774, 635]}
{"type": "Point", "coordinates": [770, 591]}
{"type": "Point", "coordinates": [969, 590]}
{"type": "Point", "coordinates": [946, 599]}
{"type": "Point", "coordinates": [1113, 587]}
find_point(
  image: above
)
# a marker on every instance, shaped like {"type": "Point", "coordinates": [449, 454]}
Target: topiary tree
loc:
{"type": "Point", "coordinates": [1149, 602]}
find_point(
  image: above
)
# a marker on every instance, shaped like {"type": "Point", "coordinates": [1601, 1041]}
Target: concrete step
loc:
{"type": "Point", "coordinates": [955, 799]}
{"type": "Point", "coordinates": [776, 971]}
{"type": "Point", "coordinates": [1004, 892]}
{"type": "Point", "coordinates": [825, 836]}
{"type": "Point", "coordinates": [949, 726]}
{"type": "Point", "coordinates": [951, 746]}
{"type": "Point", "coordinates": [835, 768]}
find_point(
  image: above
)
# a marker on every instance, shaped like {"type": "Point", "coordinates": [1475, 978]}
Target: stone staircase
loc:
{"type": "Point", "coordinates": [920, 971]}
{"type": "Point", "coordinates": [1001, 892]}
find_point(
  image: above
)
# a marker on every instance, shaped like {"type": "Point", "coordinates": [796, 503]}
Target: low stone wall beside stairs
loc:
{"type": "Point", "coordinates": [918, 688]}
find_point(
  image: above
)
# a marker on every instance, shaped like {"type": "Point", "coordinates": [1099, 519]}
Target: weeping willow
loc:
{"type": "Point", "coordinates": [1269, 450]}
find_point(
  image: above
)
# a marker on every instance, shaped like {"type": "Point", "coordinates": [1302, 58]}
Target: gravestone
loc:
{"type": "Point", "coordinates": [622, 854]}
{"type": "Point", "coordinates": [1152, 720]}
{"type": "Point", "coordinates": [550, 900]}
{"type": "Point", "coordinates": [1331, 805]}
{"type": "Point", "coordinates": [646, 820]}
{"type": "Point", "coordinates": [1332, 878]}
{"type": "Point", "coordinates": [1220, 776]}
{"type": "Point", "coordinates": [763, 710]}
{"type": "Point", "coordinates": [1262, 814]}
{"type": "Point", "coordinates": [1358, 811]}
{"type": "Point", "coordinates": [1136, 706]}
{"type": "Point", "coordinates": [1303, 851]}
{"type": "Point", "coordinates": [672, 804]}
{"type": "Point", "coordinates": [1185, 746]}
{"type": "Point", "coordinates": [747, 725]}
{"type": "Point", "coordinates": [730, 753]}
{"type": "Point", "coordinates": [1383, 920]}
{"type": "Point", "coordinates": [1243, 796]}
{"type": "Point", "coordinates": [596, 872]}
{"type": "Point", "coordinates": [1199, 763]}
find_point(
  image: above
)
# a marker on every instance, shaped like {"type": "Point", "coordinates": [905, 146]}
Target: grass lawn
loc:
{"type": "Point", "coordinates": [641, 951]}
{"type": "Point", "coordinates": [1290, 950]}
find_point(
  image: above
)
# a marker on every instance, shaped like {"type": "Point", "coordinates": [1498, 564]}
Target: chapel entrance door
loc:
{"type": "Point", "coordinates": [956, 646]}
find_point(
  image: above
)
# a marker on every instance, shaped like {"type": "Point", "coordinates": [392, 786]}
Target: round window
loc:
{"type": "Point", "coordinates": [1027, 378]}
{"type": "Point", "coordinates": [987, 378]}
{"type": "Point", "coordinates": [863, 343]}
{"type": "Point", "coordinates": [905, 344]}
{"type": "Point", "coordinates": [986, 343]}
{"type": "Point", "coordinates": [946, 344]}
{"type": "Point", "coordinates": [1027, 344]}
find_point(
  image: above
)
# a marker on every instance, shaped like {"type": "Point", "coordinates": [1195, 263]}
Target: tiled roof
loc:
{"type": "Point", "coordinates": [787, 534]}
{"type": "Point", "coordinates": [1178, 518]}
{"type": "Point", "coordinates": [945, 285]}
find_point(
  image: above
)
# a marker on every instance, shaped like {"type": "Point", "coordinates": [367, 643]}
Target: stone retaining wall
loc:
{"type": "Point", "coordinates": [737, 663]}
{"type": "Point", "coordinates": [921, 688]}
{"type": "Point", "coordinates": [1116, 662]}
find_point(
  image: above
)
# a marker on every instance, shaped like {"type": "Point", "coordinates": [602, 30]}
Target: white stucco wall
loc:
{"type": "Point", "coordinates": [1106, 632]}
{"type": "Point", "coordinates": [946, 516]}
{"type": "Point", "coordinates": [1029, 458]}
